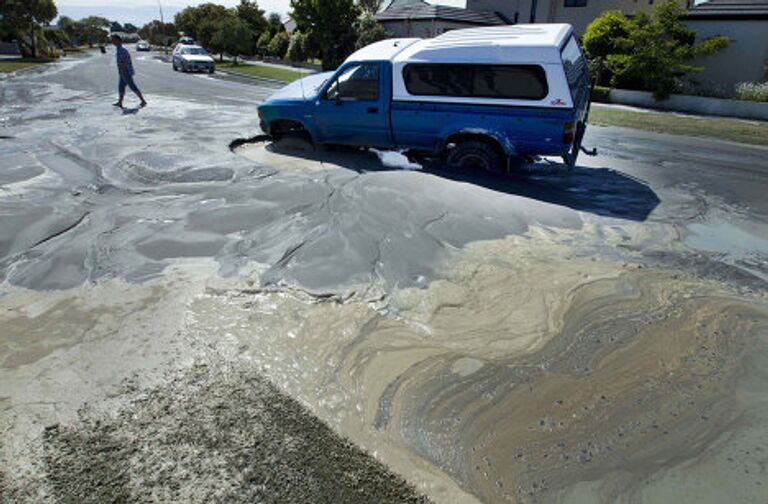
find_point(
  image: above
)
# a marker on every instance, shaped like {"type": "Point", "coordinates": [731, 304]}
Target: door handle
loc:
{"type": "Point", "coordinates": [373, 110]}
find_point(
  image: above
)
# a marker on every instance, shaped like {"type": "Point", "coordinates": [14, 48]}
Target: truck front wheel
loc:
{"type": "Point", "coordinates": [473, 155]}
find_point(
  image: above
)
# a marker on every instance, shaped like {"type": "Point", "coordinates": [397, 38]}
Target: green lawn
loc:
{"type": "Point", "coordinates": [7, 66]}
{"type": "Point", "coordinates": [267, 72]}
{"type": "Point", "coordinates": [735, 130]}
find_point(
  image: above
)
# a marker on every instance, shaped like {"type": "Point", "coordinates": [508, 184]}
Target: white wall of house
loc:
{"type": "Point", "coordinates": [745, 59]}
{"type": "Point", "coordinates": [577, 13]}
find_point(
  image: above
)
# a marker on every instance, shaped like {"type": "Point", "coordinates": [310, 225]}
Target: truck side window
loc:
{"type": "Point", "coordinates": [358, 82]}
{"type": "Point", "coordinates": [522, 82]}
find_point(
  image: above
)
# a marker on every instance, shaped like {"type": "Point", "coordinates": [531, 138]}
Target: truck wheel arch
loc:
{"type": "Point", "coordinates": [279, 127]}
{"type": "Point", "coordinates": [467, 136]}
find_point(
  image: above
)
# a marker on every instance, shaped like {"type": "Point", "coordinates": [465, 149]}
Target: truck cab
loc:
{"type": "Point", "coordinates": [475, 97]}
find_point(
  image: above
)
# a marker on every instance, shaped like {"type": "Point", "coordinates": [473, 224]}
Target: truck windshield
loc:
{"type": "Point", "coordinates": [576, 71]}
{"type": "Point", "coordinates": [193, 50]}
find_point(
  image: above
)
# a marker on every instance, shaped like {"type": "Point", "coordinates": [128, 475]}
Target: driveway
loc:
{"type": "Point", "coordinates": [189, 316]}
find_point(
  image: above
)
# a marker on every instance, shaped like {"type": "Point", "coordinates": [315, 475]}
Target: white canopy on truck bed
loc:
{"type": "Point", "coordinates": [519, 44]}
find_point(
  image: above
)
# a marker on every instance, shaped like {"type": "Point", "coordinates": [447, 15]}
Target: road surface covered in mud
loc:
{"type": "Point", "coordinates": [181, 321]}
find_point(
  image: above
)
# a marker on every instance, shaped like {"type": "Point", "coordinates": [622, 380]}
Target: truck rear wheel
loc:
{"type": "Point", "coordinates": [475, 154]}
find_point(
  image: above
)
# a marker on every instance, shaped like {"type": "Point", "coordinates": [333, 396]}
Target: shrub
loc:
{"type": "Point", "coordinates": [262, 44]}
{"type": "Point", "coordinates": [600, 94]}
{"type": "Point", "coordinates": [297, 49]}
{"type": "Point", "coordinates": [279, 45]}
{"type": "Point", "coordinates": [370, 31]}
{"type": "Point", "coordinates": [752, 91]}
{"type": "Point", "coordinates": [647, 52]}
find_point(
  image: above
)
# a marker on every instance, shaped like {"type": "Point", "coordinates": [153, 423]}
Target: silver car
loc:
{"type": "Point", "coordinates": [191, 58]}
{"type": "Point", "coordinates": [143, 45]}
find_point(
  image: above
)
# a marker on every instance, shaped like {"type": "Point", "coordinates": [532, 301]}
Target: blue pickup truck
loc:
{"type": "Point", "coordinates": [475, 97]}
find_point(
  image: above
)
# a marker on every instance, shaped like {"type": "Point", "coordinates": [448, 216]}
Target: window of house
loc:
{"type": "Point", "coordinates": [358, 82]}
{"type": "Point", "coordinates": [575, 3]}
{"type": "Point", "coordinates": [522, 82]}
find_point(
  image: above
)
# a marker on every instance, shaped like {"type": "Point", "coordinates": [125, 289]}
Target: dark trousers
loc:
{"type": "Point", "coordinates": [127, 81]}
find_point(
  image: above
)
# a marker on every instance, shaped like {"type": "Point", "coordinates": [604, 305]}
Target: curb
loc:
{"type": "Point", "coordinates": [252, 77]}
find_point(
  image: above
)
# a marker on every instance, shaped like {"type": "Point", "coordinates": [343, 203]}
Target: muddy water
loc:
{"type": "Point", "coordinates": [580, 337]}
{"type": "Point", "coordinates": [526, 373]}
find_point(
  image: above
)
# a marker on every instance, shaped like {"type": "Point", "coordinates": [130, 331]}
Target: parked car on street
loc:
{"type": "Point", "coordinates": [143, 45]}
{"type": "Point", "coordinates": [475, 97]}
{"type": "Point", "coordinates": [192, 58]}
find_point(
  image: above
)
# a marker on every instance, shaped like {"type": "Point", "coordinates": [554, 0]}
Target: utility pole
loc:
{"type": "Point", "coordinates": [162, 27]}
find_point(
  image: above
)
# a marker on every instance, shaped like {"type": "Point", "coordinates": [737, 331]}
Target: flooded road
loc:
{"type": "Point", "coordinates": [598, 335]}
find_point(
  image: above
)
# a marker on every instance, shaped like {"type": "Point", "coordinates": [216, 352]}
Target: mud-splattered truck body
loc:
{"type": "Point", "coordinates": [475, 96]}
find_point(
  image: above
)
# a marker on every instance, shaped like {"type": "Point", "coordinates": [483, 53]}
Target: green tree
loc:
{"type": "Point", "coordinates": [275, 23]}
{"type": "Point", "coordinates": [648, 52]}
{"type": "Point", "coordinates": [371, 7]}
{"type": "Point", "coordinates": [24, 19]}
{"type": "Point", "coordinates": [249, 12]}
{"type": "Point", "coordinates": [262, 44]}
{"type": "Point", "coordinates": [115, 27]}
{"type": "Point", "coordinates": [94, 29]}
{"type": "Point", "coordinates": [297, 49]}
{"type": "Point", "coordinates": [58, 38]}
{"type": "Point", "coordinates": [70, 27]}
{"type": "Point", "coordinates": [330, 27]}
{"type": "Point", "coordinates": [201, 22]}
{"type": "Point", "coordinates": [157, 33]}
{"type": "Point", "coordinates": [234, 37]}
{"type": "Point", "coordinates": [278, 46]}
{"type": "Point", "coordinates": [129, 28]}
{"type": "Point", "coordinates": [370, 31]}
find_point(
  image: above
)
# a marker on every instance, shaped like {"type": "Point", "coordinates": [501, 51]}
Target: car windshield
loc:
{"type": "Point", "coordinates": [193, 50]}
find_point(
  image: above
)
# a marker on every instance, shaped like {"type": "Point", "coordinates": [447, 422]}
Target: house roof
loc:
{"type": "Point", "coordinates": [425, 11]}
{"type": "Point", "coordinates": [392, 4]}
{"type": "Point", "coordinates": [730, 9]}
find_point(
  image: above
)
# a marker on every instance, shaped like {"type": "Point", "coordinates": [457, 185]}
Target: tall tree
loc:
{"type": "Point", "coordinates": [329, 26]}
{"type": "Point", "coordinates": [157, 33]}
{"type": "Point", "coordinates": [201, 22]}
{"type": "Point", "coordinates": [115, 27]}
{"type": "Point", "coordinates": [25, 19]}
{"type": "Point", "coordinates": [94, 29]}
{"type": "Point", "coordinates": [275, 23]}
{"type": "Point", "coordinates": [70, 27]}
{"type": "Point", "coordinates": [234, 37]}
{"type": "Point", "coordinates": [249, 12]}
{"type": "Point", "coordinates": [371, 7]}
{"type": "Point", "coordinates": [370, 31]}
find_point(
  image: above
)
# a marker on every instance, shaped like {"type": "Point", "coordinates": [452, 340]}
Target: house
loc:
{"type": "Point", "coordinates": [9, 50]}
{"type": "Point", "coordinates": [289, 24]}
{"type": "Point", "coordinates": [745, 22]}
{"type": "Point", "coordinates": [416, 18]}
{"type": "Point", "coordinates": [578, 13]}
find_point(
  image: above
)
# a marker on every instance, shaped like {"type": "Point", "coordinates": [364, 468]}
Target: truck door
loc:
{"type": "Point", "coordinates": [353, 109]}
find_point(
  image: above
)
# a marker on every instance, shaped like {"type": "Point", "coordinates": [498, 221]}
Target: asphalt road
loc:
{"type": "Point", "coordinates": [554, 336]}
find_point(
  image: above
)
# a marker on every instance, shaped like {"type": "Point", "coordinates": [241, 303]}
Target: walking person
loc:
{"type": "Point", "coordinates": [125, 72]}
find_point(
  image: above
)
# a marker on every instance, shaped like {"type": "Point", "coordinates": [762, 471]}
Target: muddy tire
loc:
{"type": "Point", "coordinates": [475, 155]}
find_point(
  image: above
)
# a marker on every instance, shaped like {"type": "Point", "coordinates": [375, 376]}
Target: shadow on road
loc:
{"type": "Point", "coordinates": [600, 191]}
